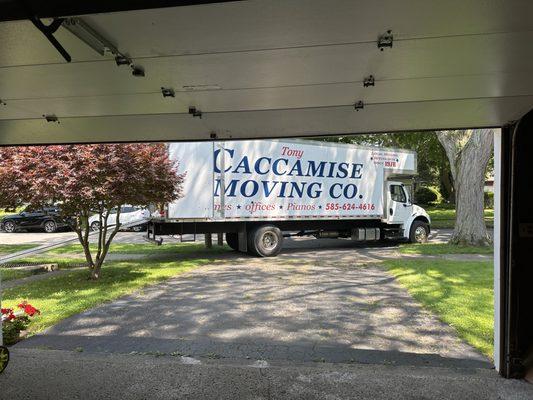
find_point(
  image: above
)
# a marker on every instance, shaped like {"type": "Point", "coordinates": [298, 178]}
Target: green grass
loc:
{"type": "Point", "coordinates": [443, 217]}
{"type": "Point", "coordinates": [460, 293]}
{"type": "Point", "coordinates": [443, 248]}
{"type": "Point", "coordinates": [63, 263]}
{"type": "Point", "coordinates": [143, 248]}
{"type": "Point", "coordinates": [8, 274]}
{"type": "Point", "coordinates": [13, 248]}
{"type": "Point", "coordinates": [69, 294]}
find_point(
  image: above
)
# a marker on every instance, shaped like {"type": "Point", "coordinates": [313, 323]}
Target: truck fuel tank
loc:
{"type": "Point", "coordinates": [362, 234]}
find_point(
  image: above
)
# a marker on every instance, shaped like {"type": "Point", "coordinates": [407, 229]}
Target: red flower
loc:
{"type": "Point", "coordinates": [28, 309]}
{"type": "Point", "coordinates": [11, 317]}
{"type": "Point", "coordinates": [6, 311]}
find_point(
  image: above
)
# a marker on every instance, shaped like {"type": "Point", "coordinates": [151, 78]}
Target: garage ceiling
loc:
{"type": "Point", "coordinates": [268, 69]}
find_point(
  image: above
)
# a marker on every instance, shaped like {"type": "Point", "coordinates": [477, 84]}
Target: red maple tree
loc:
{"type": "Point", "coordinates": [86, 180]}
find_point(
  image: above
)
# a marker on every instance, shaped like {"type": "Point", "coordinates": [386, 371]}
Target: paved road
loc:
{"type": "Point", "coordinates": [57, 375]}
{"type": "Point", "coordinates": [40, 238]}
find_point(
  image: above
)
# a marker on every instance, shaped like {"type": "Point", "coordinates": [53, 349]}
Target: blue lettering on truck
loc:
{"type": "Point", "coordinates": [289, 167]}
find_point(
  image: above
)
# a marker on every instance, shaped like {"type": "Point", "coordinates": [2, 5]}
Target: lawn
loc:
{"type": "Point", "coordinates": [13, 248]}
{"type": "Point", "coordinates": [65, 295]}
{"type": "Point", "coordinates": [443, 248]}
{"type": "Point", "coordinates": [8, 274]}
{"type": "Point", "coordinates": [444, 217]}
{"type": "Point", "coordinates": [143, 248]}
{"type": "Point", "coordinates": [459, 293]}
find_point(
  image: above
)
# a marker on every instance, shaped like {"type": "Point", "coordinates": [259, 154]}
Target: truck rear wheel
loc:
{"type": "Point", "coordinates": [232, 239]}
{"type": "Point", "coordinates": [419, 232]}
{"type": "Point", "coordinates": [265, 241]}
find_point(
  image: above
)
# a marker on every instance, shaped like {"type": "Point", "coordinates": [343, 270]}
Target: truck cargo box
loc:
{"type": "Point", "coordinates": [284, 179]}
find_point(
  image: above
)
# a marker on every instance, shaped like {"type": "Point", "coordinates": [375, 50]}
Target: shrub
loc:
{"type": "Point", "coordinates": [489, 199]}
{"type": "Point", "coordinates": [425, 195]}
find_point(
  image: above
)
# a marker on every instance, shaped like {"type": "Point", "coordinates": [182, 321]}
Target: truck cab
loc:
{"type": "Point", "coordinates": [413, 220]}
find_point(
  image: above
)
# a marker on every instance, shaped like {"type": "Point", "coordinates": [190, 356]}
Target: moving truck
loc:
{"type": "Point", "coordinates": [259, 191]}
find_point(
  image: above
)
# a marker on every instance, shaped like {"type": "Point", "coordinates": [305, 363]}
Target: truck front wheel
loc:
{"type": "Point", "coordinates": [265, 241]}
{"type": "Point", "coordinates": [232, 239]}
{"type": "Point", "coordinates": [419, 232]}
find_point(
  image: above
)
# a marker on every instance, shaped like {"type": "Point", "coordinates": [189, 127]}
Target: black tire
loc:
{"type": "Point", "coordinates": [4, 358]}
{"type": "Point", "coordinates": [232, 239]}
{"type": "Point", "coordinates": [10, 227]}
{"type": "Point", "coordinates": [95, 226]}
{"type": "Point", "coordinates": [139, 228]}
{"type": "Point", "coordinates": [419, 232]}
{"type": "Point", "coordinates": [265, 241]}
{"type": "Point", "coordinates": [50, 226]}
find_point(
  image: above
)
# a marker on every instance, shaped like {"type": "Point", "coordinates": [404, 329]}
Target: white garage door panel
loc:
{"type": "Point", "coordinates": [477, 86]}
{"type": "Point", "coordinates": [269, 24]}
{"type": "Point", "coordinates": [282, 123]}
{"type": "Point", "coordinates": [303, 66]}
{"type": "Point", "coordinates": [289, 23]}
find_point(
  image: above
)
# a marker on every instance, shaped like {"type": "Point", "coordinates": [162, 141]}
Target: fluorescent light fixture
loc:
{"type": "Point", "coordinates": [101, 45]}
{"type": "Point", "coordinates": [90, 37]}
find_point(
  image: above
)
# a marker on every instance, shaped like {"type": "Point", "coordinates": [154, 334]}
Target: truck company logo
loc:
{"type": "Point", "coordinates": [290, 163]}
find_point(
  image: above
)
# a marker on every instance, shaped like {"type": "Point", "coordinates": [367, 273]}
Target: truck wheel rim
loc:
{"type": "Point", "coordinates": [269, 240]}
{"type": "Point", "coordinates": [9, 227]}
{"type": "Point", "coordinates": [49, 227]}
{"type": "Point", "coordinates": [95, 226]}
{"type": "Point", "coordinates": [420, 234]}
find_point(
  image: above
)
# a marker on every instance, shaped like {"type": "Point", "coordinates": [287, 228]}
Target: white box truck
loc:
{"type": "Point", "coordinates": [259, 191]}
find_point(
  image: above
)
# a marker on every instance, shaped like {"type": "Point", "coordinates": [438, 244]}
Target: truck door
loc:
{"type": "Point", "coordinates": [399, 204]}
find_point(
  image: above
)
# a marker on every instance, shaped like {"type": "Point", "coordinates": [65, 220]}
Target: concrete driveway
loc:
{"type": "Point", "coordinates": [308, 304]}
{"type": "Point", "coordinates": [58, 375]}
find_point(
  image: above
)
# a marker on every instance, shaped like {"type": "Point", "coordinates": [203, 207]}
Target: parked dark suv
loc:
{"type": "Point", "coordinates": [47, 219]}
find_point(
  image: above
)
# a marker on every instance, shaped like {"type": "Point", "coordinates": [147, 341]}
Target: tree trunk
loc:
{"type": "Point", "coordinates": [82, 230]}
{"type": "Point", "coordinates": [95, 272]}
{"type": "Point", "coordinates": [469, 152]}
{"type": "Point", "coordinates": [104, 242]}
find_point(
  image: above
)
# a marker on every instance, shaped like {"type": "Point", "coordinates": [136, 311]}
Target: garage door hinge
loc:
{"type": "Point", "coordinates": [51, 118]}
{"type": "Point", "coordinates": [385, 40]}
{"type": "Point", "coordinates": [195, 112]}
{"type": "Point", "coordinates": [369, 81]}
